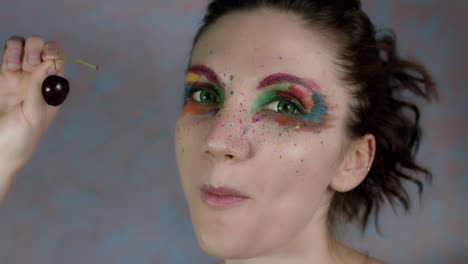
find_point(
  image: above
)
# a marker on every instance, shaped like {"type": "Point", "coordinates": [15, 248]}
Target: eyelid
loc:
{"type": "Point", "coordinates": [195, 88]}
{"type": "Point", "coordinates": [300, 86]}
{"type": "Point", "coordinates": [199, 86]}
{"type": "Point", "coordinates": [297, 103]}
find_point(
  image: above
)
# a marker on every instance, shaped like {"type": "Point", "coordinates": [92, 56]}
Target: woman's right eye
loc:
{"type": "Point", "coordinates": [205, 96]}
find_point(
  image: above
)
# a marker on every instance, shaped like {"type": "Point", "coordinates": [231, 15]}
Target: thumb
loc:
{"type": "Point", "coordinates": [35, 107]}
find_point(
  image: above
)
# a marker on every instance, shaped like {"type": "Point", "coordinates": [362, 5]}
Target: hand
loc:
{"type": "Point", "coordinates": [24, 114]}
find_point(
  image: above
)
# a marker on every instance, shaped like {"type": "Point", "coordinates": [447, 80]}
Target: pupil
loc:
{"type": "Point", "coordinates": [286, 107]}
{"type": "Point", "coordinates": [207, 97]}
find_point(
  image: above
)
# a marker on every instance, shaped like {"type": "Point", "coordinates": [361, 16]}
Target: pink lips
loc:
{"type": "Point", "coordinates": [221, 197]}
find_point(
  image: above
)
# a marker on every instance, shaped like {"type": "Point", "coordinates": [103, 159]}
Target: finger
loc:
{"type": "Point", "coordinates": [32, 53]}
{"type": "Point", "coordinates": [13, 54]}
{"type": "Point", "coordinates": [54, 52]}
{"type": "Point", "coordinates": [34, 106]}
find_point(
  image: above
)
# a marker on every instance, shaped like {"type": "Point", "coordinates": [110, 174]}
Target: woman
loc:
{"type": "Point", "coordinates": [293, 122]}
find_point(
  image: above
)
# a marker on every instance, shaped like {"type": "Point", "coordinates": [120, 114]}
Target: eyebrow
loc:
{"type": "Point", "coordinates": [211, 76]}
{"type": "Point", "coordinates": [286, 77]}
{"type": "Point", "coordinates": [205, 71]}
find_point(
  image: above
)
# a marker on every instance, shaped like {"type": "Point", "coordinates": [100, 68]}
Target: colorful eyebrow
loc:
{"type": "Point", "coordinates": [206, 72]}
{"type": "Point", "coordinates": [286, 77]}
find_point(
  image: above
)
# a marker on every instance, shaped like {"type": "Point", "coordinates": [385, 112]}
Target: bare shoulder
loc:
{"type": "Point", "coordinates": [371, 260]}
{"type": "Point", "coordinates": [366, 259]}
{"type": "Point", "coordinates": [351, 255]}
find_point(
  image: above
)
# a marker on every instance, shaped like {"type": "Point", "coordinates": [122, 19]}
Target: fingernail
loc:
{"type": "Point", "coordinates": [34, 58]}
{"type": "Point", "coordinates": [51, 51]}
{"type": "Point", "coordinates": [13, 59]}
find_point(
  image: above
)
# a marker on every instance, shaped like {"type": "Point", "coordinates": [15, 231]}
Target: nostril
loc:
{"type": "Point", "coordinates": [225, 148]}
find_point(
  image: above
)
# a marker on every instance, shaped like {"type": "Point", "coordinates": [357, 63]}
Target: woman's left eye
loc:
{"type": "Point", "coordinates": [283, 107]}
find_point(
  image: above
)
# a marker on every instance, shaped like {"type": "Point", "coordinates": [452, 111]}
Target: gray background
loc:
{"type": "Point", "coordinates": [103, 184]}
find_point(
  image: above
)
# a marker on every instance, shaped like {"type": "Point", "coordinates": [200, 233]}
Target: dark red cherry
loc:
{"type": "Point", "coordinates": [55, 90]}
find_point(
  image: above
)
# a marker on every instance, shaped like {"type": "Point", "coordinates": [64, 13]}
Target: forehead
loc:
{"type": "Point", "coordinates": [254, 44]}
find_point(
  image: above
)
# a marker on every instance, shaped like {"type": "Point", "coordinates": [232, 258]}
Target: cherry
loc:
{"type": "Point", "coordinates": [55, 88]}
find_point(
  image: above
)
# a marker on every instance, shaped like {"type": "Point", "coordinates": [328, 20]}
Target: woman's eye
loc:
{"type": "Point", "coordinates": [205, 96]}
{"type": "Point", "coordinates": [283, 107]}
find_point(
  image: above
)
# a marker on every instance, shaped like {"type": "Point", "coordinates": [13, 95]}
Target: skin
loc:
{"type": "Point", "coordinates": [289, 172]}
{"type": "Point", "coordinates": [24, 115]}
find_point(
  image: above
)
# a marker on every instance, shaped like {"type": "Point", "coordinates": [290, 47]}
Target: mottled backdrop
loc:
{"type": "Point", "coordinates": [103, 185]}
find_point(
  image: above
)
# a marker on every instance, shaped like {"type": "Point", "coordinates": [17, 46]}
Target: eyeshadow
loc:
{"type": "Point", "coordinates": [282, 86]}
{"type": "Point", "coordinates": [305, 93]}
{"type": "Point", "coordinates": [193, 81]}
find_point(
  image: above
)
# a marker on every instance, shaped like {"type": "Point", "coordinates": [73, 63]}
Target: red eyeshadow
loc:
{"type": "Point", "coordinates": [292, 123]}
{"type": "Point", "coordinates": [197, 109]}
{"type": "Point", "coordinates": [205, 71]}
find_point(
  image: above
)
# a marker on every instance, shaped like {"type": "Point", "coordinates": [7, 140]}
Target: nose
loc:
{"type": "Point", "coordinates": [227, 140]}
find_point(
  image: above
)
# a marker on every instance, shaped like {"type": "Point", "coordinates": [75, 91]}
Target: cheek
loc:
{"type": "Point", "coordinates": [291, 180]}
{"type": "Point", "coordinates": [297, 168]}
{"type": "Point", "coordinates": [189, 136]}
{"type": "Point", "coordinates": [190, 127]}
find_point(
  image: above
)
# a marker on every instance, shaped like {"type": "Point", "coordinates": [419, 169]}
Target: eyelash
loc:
{"type": "Point", "coordinates": [297, 105]}
{"type": "Point", "coordinates": [193, 89]}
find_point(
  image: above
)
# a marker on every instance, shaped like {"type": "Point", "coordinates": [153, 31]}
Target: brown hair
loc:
{"type": "Point", "coordinates": [379, 81]}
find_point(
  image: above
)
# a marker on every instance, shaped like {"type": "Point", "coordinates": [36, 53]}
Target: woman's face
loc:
{"type": "Point", "coordinates": [264, 114]}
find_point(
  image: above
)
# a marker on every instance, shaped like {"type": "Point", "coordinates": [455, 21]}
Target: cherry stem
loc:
{"type": "Point", "coordinates": [83, 62]}
{"type": "Point", "coordinates": [78, 61]}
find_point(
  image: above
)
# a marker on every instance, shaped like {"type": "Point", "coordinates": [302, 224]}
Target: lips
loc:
{"type": "Point", "coordinates": [222, 197]}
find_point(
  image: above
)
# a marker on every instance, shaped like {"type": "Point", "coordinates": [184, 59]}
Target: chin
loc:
{"type": "Point", "coordinates": [224, 248]}
{"type": "Point", "coordinates": [222, 241]}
